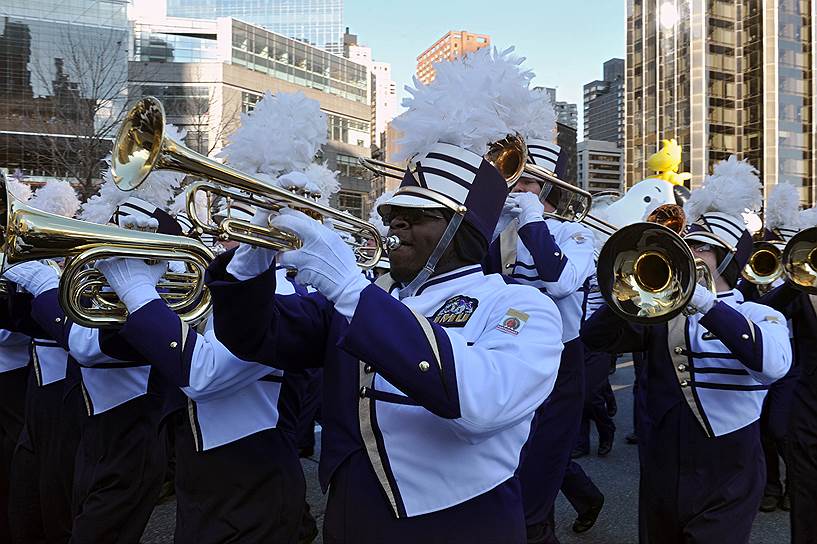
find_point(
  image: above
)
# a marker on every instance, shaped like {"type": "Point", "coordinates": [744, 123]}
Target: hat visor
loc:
{"type": "Point", "coordinates": [703, 237]}
{"type": "Point", "coordinates": [407, 201]}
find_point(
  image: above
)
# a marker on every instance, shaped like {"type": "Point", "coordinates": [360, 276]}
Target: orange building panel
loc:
{"type": "Point", "coordinates": [455, 44]}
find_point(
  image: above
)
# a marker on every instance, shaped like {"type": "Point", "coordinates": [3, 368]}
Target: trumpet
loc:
{"type": "Point", "coordinates": [142, 147]}
{"type": "Point", "coordinates": [647, 273]}
{"type": "Point", "coordinates": [765, 264]}
{"type": "Point", "coordinates": [30, 234]}
{"type": "Point", "coordinates": [799, 261]}
{"type": "Point", "coordinates": [508, 155]}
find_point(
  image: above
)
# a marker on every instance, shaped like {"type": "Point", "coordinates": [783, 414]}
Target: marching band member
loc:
{"type": "Point", "coordinates": [43, 463]}
{"type": "Point", "coordinates": [431, 380]}
{"type": "Point", "coordinates": [556, 257]}
{"type": "Point", "coordinates": [801, 445]}
{"type": "Point", "coordinates": [708, 372]}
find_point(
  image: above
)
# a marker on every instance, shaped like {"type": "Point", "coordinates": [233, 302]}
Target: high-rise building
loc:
{"type": "Point", "coordinates": [566, 140]}
{"type": "Point", "coordinates": [316, 22]}
{"type": "Point", "coordinates": [599, 166]}
{"type": "Point", "coordinates": [384, 102]}
{"type": "Point", "coordinates": [723, 77]}
{"type": "Point", "coordinates": [566, 113]}
{"type": "Point", "coordinates": [63, 85]}
{"type": "Point", "coordinates": [455, 44]}
{"type": "Point", "coordinates": [206, 73]}
{"type": "Point", "coordinates": [604, 105]}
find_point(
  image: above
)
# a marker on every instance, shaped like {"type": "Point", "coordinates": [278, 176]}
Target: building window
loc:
{"type": "Point", "coordinates": [351, 202]}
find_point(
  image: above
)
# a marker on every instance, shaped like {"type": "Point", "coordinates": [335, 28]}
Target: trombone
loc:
{"type": "Point", "coordinates": [765, 264]}
{"type": "Point", "coordinates": [29, 234]}
{"type": "Point", "coordinates": [143, 147]}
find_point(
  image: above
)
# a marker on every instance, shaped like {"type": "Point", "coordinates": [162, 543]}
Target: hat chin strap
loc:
{"type": "Point", "coordinates": [434, 259]}
{"type": "Point", "coordinates": [724, 263]}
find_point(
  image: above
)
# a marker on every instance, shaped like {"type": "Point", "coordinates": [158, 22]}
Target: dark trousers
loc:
{"type": "Point", "coordinates": [43, 464]}
{"type": "Point", "coordinates": [13, 385]}
{"type": "Point", "coordinates": [553, 435]}
{"type": "Point", "coordinates": [251, 490]}
{"type": "Point", "coordinates": [579, 489]}
{"type": "Point", "coordinates": [596, 382]}
{"type": "Point", "coordinates": [774, 426]}
{"type": "Point", "coordinates": [801, 469]}
{"type": "Point", "coordinates": [358, 513]}
{"type": "Point", "coordinates": [119, 471]}
{"type": "Point", "coordinates": [700, 490]}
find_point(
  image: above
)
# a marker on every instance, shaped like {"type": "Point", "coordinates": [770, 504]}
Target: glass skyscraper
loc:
{"type": "Point", "coordinates": [723, 77]}
{"type": "Point", "coordinates": [316, 22]}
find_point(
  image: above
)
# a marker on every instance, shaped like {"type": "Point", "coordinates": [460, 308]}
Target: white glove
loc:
{"type": "Point", "coordinates": [140, 223]}
{"type": "Point", "coordinates": [702, 300]}
{"type": "Point", "coordinates": [251, 261]}
{"type": "Point", "coordinates": [531, 208]}
{"type": "Point", "coordinates": [324, 261]}
{"type": "Point", "coordinates": [33, 276]}
{"type": "Point", "coordinates": [133, 280]}
{"type": "Point", "coordinates": [510, 211]}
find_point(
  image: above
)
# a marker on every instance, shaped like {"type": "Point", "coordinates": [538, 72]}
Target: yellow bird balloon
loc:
{"type": "Point", "coordinates": [667, 161]}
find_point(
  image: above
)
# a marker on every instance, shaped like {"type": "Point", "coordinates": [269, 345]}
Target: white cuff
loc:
{"type": "Point", "coordinates": [139, 295]}
{"type": "Point", "coordinates": [52, 282]}
{"type": "Point", "coordinates": [346, 302]}
{"type": "Point", "coordinates": [250, 261]}
{"type": "Point", "coordinates": [526, 218]}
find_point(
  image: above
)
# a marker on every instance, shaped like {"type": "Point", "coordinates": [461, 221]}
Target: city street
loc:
{"type": "Point", "coordinates": [616, 475]}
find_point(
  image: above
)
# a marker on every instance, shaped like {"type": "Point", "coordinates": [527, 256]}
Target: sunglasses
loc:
{"type": "Point", "coordinates": [412, 216]}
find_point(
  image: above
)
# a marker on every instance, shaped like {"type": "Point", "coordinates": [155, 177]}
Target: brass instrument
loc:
{"type": "Point", "coordinates": [765, 263]}
{"type": "Point", "coordinates": [647, 273]}
{"type": "Point", "coordinates": [142, 147]}
{"type": "Point", "coordinates": [799, 260]}
{"type": "Point", "coordinates": [508, 155]}
{"type": "Point", "coordinates": [29, 234]}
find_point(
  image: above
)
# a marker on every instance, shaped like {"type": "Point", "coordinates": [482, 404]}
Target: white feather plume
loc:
{"type": "Point", "coordinates": [179, 204]}
{"type": "Point", "coordinates": [19, 190]}
{"type": "Point", "coordinates": [808, 218]}
{"type": "Point", "coordinates": [473, 101]}
{"type": "Point", "coordinates": [733, 188]}
{"type": "Point", "coordinates": [159, 189]}
{"type": "Point", "coordinates": [374, 216]}
{"type": "Point", "coordinates": [56, 196]}
{"type": "Point", "coordinates": [783, 207]}
{"type": "Point", "coordinates": [325, 179]}
{"type": "Point", "coordinates": [282, 134]}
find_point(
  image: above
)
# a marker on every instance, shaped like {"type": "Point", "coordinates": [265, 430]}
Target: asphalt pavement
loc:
{"type": "Point", "coordinates": [616, 475]}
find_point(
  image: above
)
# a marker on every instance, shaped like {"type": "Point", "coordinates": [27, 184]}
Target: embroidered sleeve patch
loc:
{"type": "Point", "coordinates": [579, 238]}
{"type": "Point", "coordinates": [512, 322]}
{"type": "Point", "coordinates": [456, 311]}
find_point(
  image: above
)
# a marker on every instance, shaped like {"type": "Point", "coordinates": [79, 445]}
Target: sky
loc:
{"type": "Point", "coordinates": [565, 42]}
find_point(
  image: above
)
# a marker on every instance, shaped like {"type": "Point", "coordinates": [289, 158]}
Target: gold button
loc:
{"type": "Point", "coordinates": [424, 366]}
{"type": "Point", "coordinates": [367, 369]}
{"type": "Point", "coordinates": [363, 392]}
{"type": "Point", "coordinates": [556, 254]}
{"type": "Point", "coordinates": [679, 350]}
{"type": "Point", "coordinates": [173, 345]}
{"type": "Point", "coordinates": [684, 383]}
{"type": "Point", "coordinates": [744, 336]}
{"type": "Point", "coordinates": [58, 320]}
{"type": "Point", "coordinates": [682, 367]}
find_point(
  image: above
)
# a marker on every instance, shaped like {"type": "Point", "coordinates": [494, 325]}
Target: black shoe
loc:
{"type": "Point", "coordinates": [631, 438]}
{"type": "Point", "coordinates": [785, 503]}
{"type": "Point", "coordinates": [612, 408]}
{"type": "Point", "coordinates": [769, 503]}
{"type": "Point", "coordinates": [579, 452]}
{"type": "Point", "coordinates": [585, 521]}
{"type": "Point", "coordinates": [605, 447]}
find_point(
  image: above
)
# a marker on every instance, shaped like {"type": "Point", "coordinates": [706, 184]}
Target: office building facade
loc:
{"type": "Point", "coordinates": [567, 113]}
{"type": "Point", "coordinates": [207, 73]}
{"type": "Point", "coordinates": [723, 77]}
{"type": "Point", "coordinates": [599, 166]}
{"type": "Point", "coordinates": [455, 44]}
{"type": "Point", "coordinates": [316, 22]}
{"type": "Point", "coordinates": [604, 105]}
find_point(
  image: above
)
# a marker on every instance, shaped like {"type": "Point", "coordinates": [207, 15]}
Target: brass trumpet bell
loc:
{"type": "Point", "coordinates": [799, 260]}
{"type": "Point", "coordinates": [646, 273]}
{"type": "Point", "coordinates": [142, 147]}
{"type": "Point", "coordinates": [765, 263]}
{"type": "Point", "coordinates": [29, 234]}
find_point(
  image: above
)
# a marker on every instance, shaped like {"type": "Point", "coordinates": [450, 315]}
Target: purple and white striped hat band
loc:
{"type": "Point", "coordinates": [452, 177]}
{"type": "Point", "coordinates": [723, 230]}
{"type": "Point", "coordinates": [547, 155]}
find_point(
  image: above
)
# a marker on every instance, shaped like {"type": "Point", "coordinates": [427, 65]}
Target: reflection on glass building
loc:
{"type": "Point", "coordinates": [723, 77]}
{"type": "Point", "coordinates": [208, 72]}
{"type": "Point", "coordinates": [316, 22]}
{"type": "Point", "coordinates": [63, 81]}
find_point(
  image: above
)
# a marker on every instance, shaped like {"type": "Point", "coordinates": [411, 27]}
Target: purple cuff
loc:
{"type": "Point", "coordinates": [547, 255]}
{"type": "Point", "coordinates": [743, 338]}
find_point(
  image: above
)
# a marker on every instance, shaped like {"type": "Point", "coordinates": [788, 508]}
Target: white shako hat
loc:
{"type": "Point", "coordinates": [782, 212]}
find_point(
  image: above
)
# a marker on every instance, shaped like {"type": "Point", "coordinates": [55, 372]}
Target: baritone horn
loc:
{"type": "Point", "coordinates": [142, 147]}
{"type": "Point", "coordinates": [765, 264]}
{"type": "Point", "coordinates": [647, 273]}
{"type": "Point", "coordinates": [799, 261]}
{"type": "Point", "coordinates": [29, 234]}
